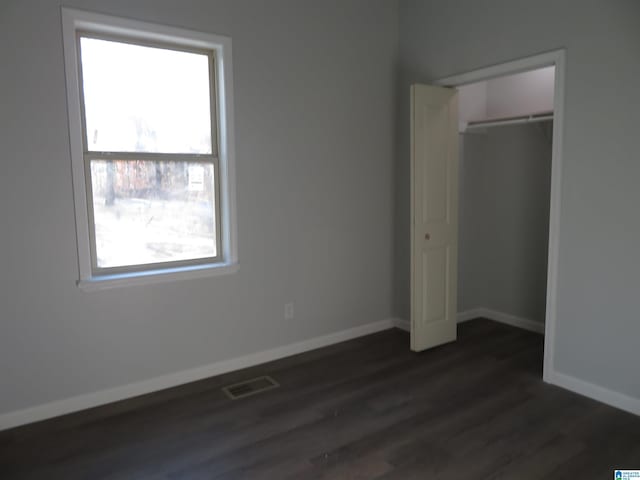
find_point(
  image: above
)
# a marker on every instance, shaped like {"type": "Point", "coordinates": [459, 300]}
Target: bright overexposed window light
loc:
{"type": "Point", "coordinates": [150, 154]}
{"type": "Point", "coordinates": [152, 212]}
{"type": "Point", "coordinates": [139, 98]}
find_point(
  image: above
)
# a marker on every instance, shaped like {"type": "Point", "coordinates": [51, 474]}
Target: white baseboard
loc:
{"type": "Point", "coordinates": [484, 313]}
{"type": "Point", "coordinates": [524, 323]}
{"type": "Point", "coordinates": [471, 314]}
{"type": "Point", "coordinates": [82, 402]}
{"type": "Point", "coordinates": [405, 325]}
{"type": "Point", "coordinates": [402, 324]}
{"type": "Point", "coordinates": [596, 392]}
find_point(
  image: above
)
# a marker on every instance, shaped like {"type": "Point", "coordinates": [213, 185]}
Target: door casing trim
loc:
{"type": "Point", "coordinates": [555, 58]}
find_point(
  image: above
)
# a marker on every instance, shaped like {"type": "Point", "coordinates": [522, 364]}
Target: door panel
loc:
{"type": "Point", "coordinates": [435, 165]}
{"type": "Point", "coordinates": [434, 269]}
{"type": "Point", "coordinates": [434, 228]}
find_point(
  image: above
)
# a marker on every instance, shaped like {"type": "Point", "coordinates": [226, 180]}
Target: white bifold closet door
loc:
{"type": "Point", "coordinates": [434, 215]}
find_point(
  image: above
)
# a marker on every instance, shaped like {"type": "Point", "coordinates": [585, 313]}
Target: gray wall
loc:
{"type": "Point", "coordinates": [314, 96]}
{"type": "Point", "coordinates": [504, 220]}
{"type": "Point", "coordinates": [598, 324]}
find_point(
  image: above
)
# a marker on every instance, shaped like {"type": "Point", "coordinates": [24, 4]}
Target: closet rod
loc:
{"type": "Point", "coordinates": [510, 121]}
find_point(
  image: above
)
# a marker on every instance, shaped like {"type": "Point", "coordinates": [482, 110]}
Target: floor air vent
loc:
{"type": "Point", "coordinates": [249, 387]}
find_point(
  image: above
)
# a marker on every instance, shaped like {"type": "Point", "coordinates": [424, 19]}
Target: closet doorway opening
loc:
{"type": "Point", "coordinates": [510, 143]}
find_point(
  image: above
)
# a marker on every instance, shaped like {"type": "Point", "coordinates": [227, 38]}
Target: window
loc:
{"type": "Point", "coordinates": [151, 146]}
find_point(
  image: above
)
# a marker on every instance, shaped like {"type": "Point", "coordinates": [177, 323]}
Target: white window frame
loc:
{"type": "Point", "coordinates": [76, 21]}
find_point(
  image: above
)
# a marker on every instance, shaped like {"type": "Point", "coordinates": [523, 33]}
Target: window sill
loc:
{"type": "Point", "coordinates": [150, 277]}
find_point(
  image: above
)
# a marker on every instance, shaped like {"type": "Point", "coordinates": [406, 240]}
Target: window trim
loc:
{"type": "Point", "coordinates": [79, 22]}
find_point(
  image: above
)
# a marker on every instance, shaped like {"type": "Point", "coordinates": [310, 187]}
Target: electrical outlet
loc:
{"type": "Point", "coordinates": [288, 311]}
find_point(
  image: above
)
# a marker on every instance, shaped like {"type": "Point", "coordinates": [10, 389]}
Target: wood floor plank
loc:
{"type": "Point", "coordinates": [366, 408]}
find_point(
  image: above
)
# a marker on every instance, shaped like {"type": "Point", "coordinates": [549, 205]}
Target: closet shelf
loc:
{"type": "Point", "coordinates": [535, 117]}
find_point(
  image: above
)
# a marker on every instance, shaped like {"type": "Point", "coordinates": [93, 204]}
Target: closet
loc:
{"type": "Point", "coordinates": [505, 145]}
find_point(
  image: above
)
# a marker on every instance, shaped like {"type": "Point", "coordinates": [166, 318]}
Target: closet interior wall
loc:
{"type": "Point", "coordinates": [505, 174]}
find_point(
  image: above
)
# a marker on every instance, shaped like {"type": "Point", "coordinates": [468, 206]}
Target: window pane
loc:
{"type": "Point", "coordinates": [144, 99]}
{"type": "Point", "coordinates": [151, 212]}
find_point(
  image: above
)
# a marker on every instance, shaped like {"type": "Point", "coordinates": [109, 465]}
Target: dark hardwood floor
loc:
{"type": "Point", "coordinates": [367, 408]}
